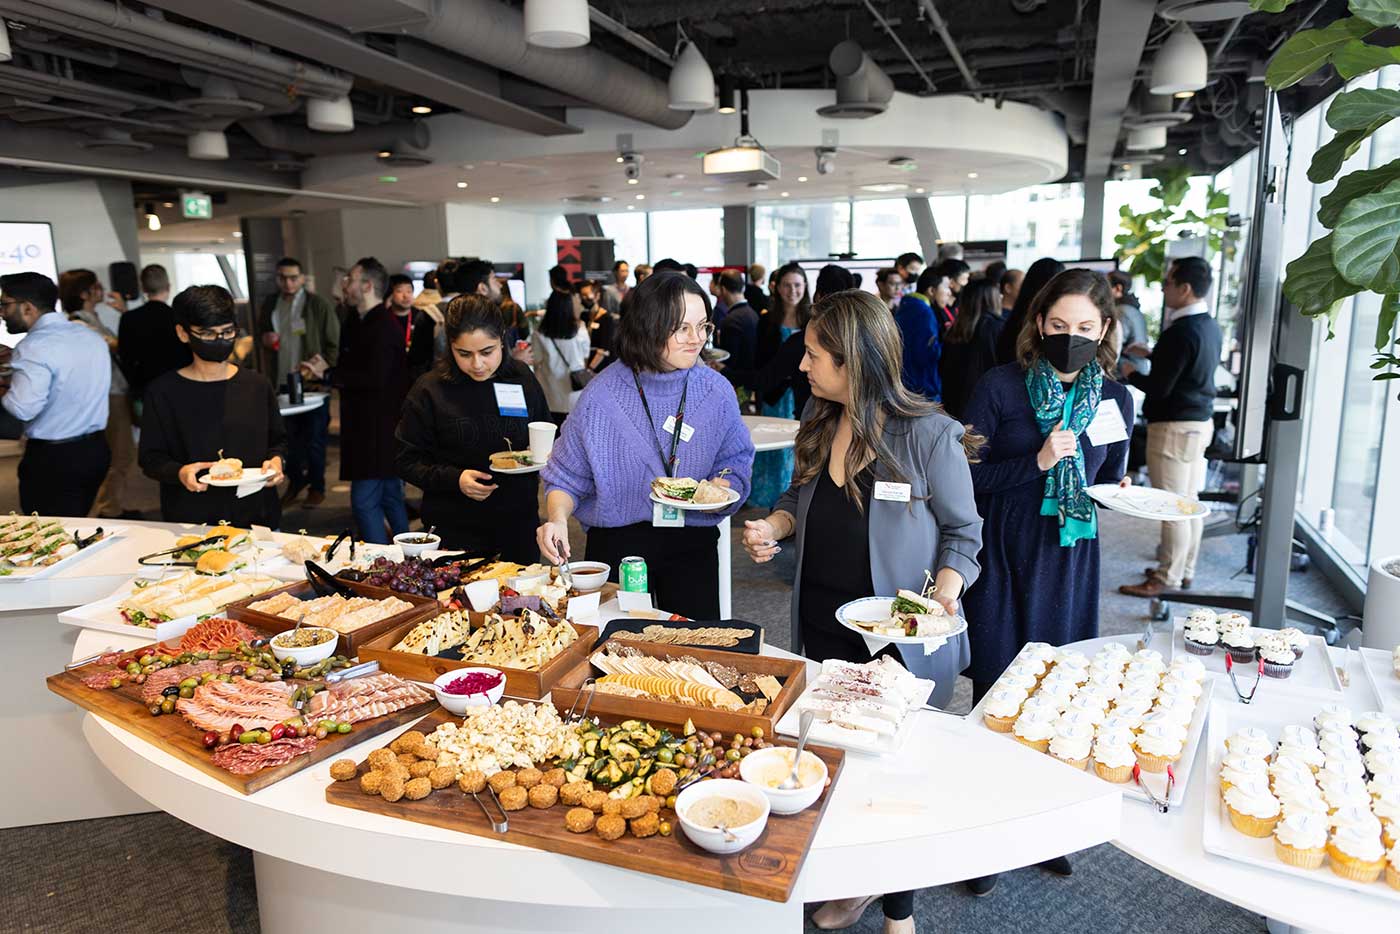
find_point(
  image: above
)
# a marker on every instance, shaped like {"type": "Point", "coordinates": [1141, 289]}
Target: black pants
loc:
{"type": "Point", "coordinates": [682, 564]}
{"type": "Point", "coordinates": [307, 435]}
{"type": "Point", "coordinates": [61, 479]}
{"type": "Point", "coordinates": [513, 538]}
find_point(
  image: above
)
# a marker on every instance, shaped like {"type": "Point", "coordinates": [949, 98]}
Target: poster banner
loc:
{"type": "Point", "coordinates": [585, 257]}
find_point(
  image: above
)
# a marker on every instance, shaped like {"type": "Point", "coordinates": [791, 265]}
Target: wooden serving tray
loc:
{"type": "Point", "coordinates": [520, 682]}
{"type": "Point", "coordinates": [349, 643]}
{"type": "Point", "coordinates": [791, 671]}
{"type": "Point", "coordinates": [171, 733]}
{"type": "Point", "coordinates": [767, 869]}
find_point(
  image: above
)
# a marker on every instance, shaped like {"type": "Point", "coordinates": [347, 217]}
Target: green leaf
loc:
{"type": "Point", "coordinates": [1327, 160]}
{"type": "Point", "coordinates": [1270, 6]}
{"type": "Point", "coordinates": [1354, 185]}
{"type": "Point", "coordinates": [1380, 12]}
{"type": "Point", "coordinates": [1310, 49]}
{"type": "Point", "coordinates": [1365, 107]}
{"type": "Point", "coordinates": [1366, 243]}
{"type": "Point", "coordinates": [1217, 200]}
{"type": "Point", "coordinates": [1356, 58]}
{"type": "Point", "coordinates": [1385, 325]}
{"type": "Point", "coordinates": [1313, 283]}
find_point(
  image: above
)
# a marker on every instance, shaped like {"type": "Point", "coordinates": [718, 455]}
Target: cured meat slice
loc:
{"type": "Point", "coordinates": [365, 698]}
{"type": "Point", "coordinates": [158, 681]}
{"type": "Point", "coordinates": [245, 760]}
{"type": "Point", "coordinates": [100, 679]}
{"type": "Point", "coordinates": [218, 705]}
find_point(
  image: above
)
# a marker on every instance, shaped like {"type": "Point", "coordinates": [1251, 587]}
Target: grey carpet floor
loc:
{"type": "Point", "coordinates": [152, 873]}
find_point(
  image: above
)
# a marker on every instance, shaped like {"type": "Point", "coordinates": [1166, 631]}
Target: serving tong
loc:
{"type": "Point", "coordinates": [585, 694]}
{"type": "Point", "coordinates": [500, 826]}
{"type": "Point", "coordinates": [1159, 803]}
{"type": "Point", "coordinates": [146, 561]}
{"type": "Point", "coordinates": [1259, 676]}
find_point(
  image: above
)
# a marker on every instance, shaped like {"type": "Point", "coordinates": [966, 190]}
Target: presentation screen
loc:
{"type": "Point", "coordinates": [25, 246]}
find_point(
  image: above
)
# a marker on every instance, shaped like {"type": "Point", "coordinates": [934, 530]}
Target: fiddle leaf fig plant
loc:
{"type": "Point", "coordinates": [1143, 243]}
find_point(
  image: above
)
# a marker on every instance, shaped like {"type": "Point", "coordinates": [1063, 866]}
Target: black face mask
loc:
{"type": "Point", "coordinates": [588, 306]}
{"type": "Point", "coordinates": [215, 351]}
{"type": "Point", "coordinates": [1068, 352]}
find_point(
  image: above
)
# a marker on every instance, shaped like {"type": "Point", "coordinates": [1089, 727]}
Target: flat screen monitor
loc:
{"type": "Point", "coordinates": [25, 246]}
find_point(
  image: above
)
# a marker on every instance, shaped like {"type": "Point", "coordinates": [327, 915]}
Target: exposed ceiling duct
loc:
{"type": "Point", "coordinates": [110, 139]}
{"type": "Point", "coordinates": [862, 89]}
{"type": "Point", "coordinates": [401, 136]}
{"type": "Point", "coordinates": [219, 98]}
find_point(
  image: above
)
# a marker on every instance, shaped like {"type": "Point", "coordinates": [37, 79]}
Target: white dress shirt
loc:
{"type": "Point", "coordinates": [1185, 311]}
{"type": "Point", "coordinates": [62, 374]}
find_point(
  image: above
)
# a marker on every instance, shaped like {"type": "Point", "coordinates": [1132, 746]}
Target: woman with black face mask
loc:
{"type": "Point", "coordinates": [211, 409]}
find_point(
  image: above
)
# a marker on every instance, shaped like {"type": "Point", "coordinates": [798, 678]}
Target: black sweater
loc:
{"type": "Point", "coordinates": [961, 365]}
{"type": "Point", "coordinates": [148, 346]}
{"type": "Point", "coordinates": [452, 423]}
{"type": "Point", "coordinates": [1181, 386]}
{"type": "Point", "coordinates": [184, 421]}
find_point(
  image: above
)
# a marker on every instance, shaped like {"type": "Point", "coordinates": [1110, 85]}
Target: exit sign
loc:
{"type": "Point", "coordinates": [196, 205]}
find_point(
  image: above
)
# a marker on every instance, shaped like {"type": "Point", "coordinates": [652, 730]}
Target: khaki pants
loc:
{"type": "Point", "coordinates": [1176, 461]}
{"type": "Point", "coordinates": [123, 446]}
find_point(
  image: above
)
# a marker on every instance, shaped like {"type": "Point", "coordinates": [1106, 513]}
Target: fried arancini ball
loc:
{"type": "Point", "coordinates": [612, 807]}
{"type": "Point", "coordinates": [421, 769]}
{"type": "Point", "coordinates": [407, 760]}
{"type": "Point", "coordinates": [646, 825]}
{"type": "Point", "coordinates": [578, 820]}
{"type": "Point", "coordinates": [472, 782]}
{"type": "Point", "coordinates": [441, 777]}
{"type": "Point", "coordinates": [632, 808]}
{"type": "Point", "coordinates": [398, 768]}
{"type": "Point", "coordinates": [425, 751]}
{"type": "Point", "coordinates": [652, 802]}
{"type": "Point", "coordinates": [543, 795]}
{"type": "Point", "coordinates": [391, 788]}
{"type": "Point", "coordinates": [528, 778]}
{"type": "Point", "coordinates": [610, 826]}
{"type": "Point", "coordinates": [514, 798]}
{"type": "Point", "coordinates": [663, 782]}
{"type": "Point", "coordinates": [379, 759]}
{"type": "Point", "coordinates": [501, 781]}
{"type": "Point", "coordinates": [572, 793]}
{"type": "Point", "coordinates": [417, 789]}
{"type": "Point", "coordinates": [371, 782]}
{"type": "Point", "coordinates": [556, 777]}
{"type": "Point", "coordinates": [594, 800]}
{"type": "Point", "coordinates": [408, 741]}
{"type": "Point", "coordinates": [343, 770]}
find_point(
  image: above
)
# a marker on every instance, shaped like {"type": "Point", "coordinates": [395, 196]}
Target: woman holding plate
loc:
{"type": "Point", "coordinates": [208, 411]}
{"type": "Point", "coordinates": [883, 495]}
{"type": "Point", "coordinates": [657, 415]}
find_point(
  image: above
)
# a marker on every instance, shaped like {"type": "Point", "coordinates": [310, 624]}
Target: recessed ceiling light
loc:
{"type": "Point", "coordinates": [461, 184]}
{"type": "Point", "coordinates": [1183, 95]}
{"type": "Point", "coordinates": [641, 197]}
{"type": "Point", "coordinates": [384, 153]}
{"type": "Point", "coordinates": [677, 194]}
{"type": "Point", "coordinates": [783, 194]}
{"type": "Point", "coordinates": [885, 187]}
{"type": "Point", "coordinates": [801, 178]}
{"type": "Point", "coordinates": [712, 188]}
{"type": "Point", "coordinates": [632, 181]}
{"type": "Point", "coordinates": [1127, 166]}
{"type": "Point", "coordinates": [422, 109]}
{"type": "Point", "coordinates": [495, 199]}
{"type": "Point", "coordinates": [631, 207]}
{"type": "Point", "coordinates": [971, 174]}
{"type": "Point", "coordinates": [167, 204]}
{"type": "Point", "coordinates": [1181, 152]}
{"type": "Point", "coordinates": [618, 160]}
{"type": "Point", "coordinates": [675, 176]}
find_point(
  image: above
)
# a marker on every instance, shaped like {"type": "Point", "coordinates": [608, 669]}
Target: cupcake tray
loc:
{"type": "Point", "coordinates": [1156, 781]}
{"type": "Point", "coordinates": [1313, 674]}
{"type": "Point", "coordinates": [1380, 674]}
{"type": "Point", "coordinates": [1219, 837]}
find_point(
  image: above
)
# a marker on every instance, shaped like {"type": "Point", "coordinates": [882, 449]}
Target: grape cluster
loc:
{"type": "Point", "coordinates": [413, 575]}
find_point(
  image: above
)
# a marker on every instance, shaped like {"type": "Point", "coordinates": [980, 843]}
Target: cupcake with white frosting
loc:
{"type": "Point", "coordinates": [1356, 853]}
{"type": "Point", "coordinates": [1380, 739]}
{"type": "Point", "coordinates": [1201, 638]}
{"type": "Point", "coordinates": [1002, 707]}
{"type": "Point", "coordinates": [1382, 761]}
{"type": "Point", "coordinates": [1230, 622]}
{"type": "Point", "coordinates": [1035, 728]}
{"type": "Point", "coordinates": [1309, 755]}
{"type": "Point", "coordinates": [1184, 666]}
{"type": "Point", "coordinates": [1072, 742]}
{"type": "Point", "coordinates": [1237, 769]}
{"type": "Point", "coordinates": [1301, 840]}
{"type": "Point", "coordinates": [1296, 638]}
{"type": "Point", "coordinates": [1043, 651]}
{"type": "Point", "coordinates": [1253, 810]}
{"type": "Point", "coordinates": [1277, 655]}
{"type": "Point", "coordinates": [1392, 859]}
{"type": "Point", "coordinates": [1158, 746]}
{"type": "Point", "coordinates": [1113, 756]}
{"type": "Point", "coordinates": [1250, 741]}
{"type": "Point", "coordinates": [1386, 807]}
{"type": "Point", "coordinates": [1334, 713]}
{"type": "Point", "coordinates": [1295, 735]}
{"type": "Point", "coordinates": [1201, 615]}
{"type": "Point", "coordinates": [1240, 644]}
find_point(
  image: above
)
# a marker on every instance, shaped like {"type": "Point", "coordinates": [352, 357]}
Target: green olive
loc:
{"type": "Point", "coordinates": [167, 705]}
{"type": "Point", "coordinates": [146, 659]}
{"type": "Point", "coordinates": [248, 737]}
{"type": "Point", "coordinates": [154, 709]}
{"type": "Point", "coordinates": [187, 692]}
{"type": "Point", "coordinates": [344, 728]}
{"type": "Point", "coordinates": [133, 669]}
{"type": "Point", "coordinates": [189, 683]}
{"type": "Point", "coordinates": [115, 683]}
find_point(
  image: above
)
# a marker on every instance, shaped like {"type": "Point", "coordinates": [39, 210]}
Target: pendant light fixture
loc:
{"type": "Point", "coordinates": [1180, 67]}
{"type": "Point", "coordinates": [692, 84]}
{"type": "Point", "coordinates": [5, 53]}
{"type": "Point", "coordinates": [557, 24]}
{"type": "Point", "coordinates": [726, 94]}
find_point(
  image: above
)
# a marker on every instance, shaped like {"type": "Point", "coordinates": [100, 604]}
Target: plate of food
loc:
{"type": "Point", "coordinates": [1144, 502]}
{"type": "Point", "coordinates": [692, 495]}
{"type": "Point", "coordinates": [32, 547]}
{"type": "Point", "coordinates": [908, 618]}
{"type": "Point", "coordinates": [513, 462]}
{"type": "Point", "coordinates": [228, 471]}
{"type": "Point", "coordinates": [714, 355]}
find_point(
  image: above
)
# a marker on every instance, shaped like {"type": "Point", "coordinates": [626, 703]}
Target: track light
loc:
{"type": "Point", "coordinates": [726, 94]}
{"type": "Point", "coordinates": [1180, 67]}
{"type": "Point", "coordinates": [692, 83]}
{"type": "Point", "coordinates": [421, 110]}
{"type": "Point", "coordinates": [557, 24]}
{"type": "Point", "coordinates": [152, 218]}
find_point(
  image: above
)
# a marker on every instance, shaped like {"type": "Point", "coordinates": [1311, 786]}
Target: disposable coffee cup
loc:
{"type": "Point", "coordinates": [541, 440]}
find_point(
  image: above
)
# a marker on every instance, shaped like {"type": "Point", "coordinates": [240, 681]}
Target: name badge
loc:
{"type": "Point", "coordinates": [666, 517]}
{"type": "Point", "coordinates": [892, 492]}
{"type": "Point", "coordinates": [1107, 426]}
{"type": "Point", "coordinates": [510, 399]}
{"type": "Point", "coordinates": [687, 430]}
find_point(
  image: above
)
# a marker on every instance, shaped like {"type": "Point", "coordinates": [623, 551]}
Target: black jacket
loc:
{"type": "Point", "coordinates": [1181, 386]}
{"type": "Point", "coordinates": [961, 365]}
{"type": "Point", "coordinates": [738, 334]}
{"type": "Point", "coordinates": [147, 345]}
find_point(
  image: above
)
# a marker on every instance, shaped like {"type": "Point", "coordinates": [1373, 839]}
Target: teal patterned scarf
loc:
{"type": "Point", "coordinates": [1065, 482]}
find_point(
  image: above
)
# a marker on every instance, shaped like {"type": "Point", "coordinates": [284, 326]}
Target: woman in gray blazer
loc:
{"type": "Point", "coordinates": [881, 494]}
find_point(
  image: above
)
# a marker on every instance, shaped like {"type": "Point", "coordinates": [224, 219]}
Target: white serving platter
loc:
{"type": "Point", "coordinates": [824, 734]}
{"type": "Point", "coordinates": [110, 533]}
{"type": "Point", "coordinates": [105, 615]}
{"type": "Point", "coordinates": [247, 478]}
{"type": "Point", "coordinates": [1385, 683]}
{"type": "Point", "coordinates": [1313, 674]}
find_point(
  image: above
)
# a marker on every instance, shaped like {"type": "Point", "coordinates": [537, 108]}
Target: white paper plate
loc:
{"type": "Point", "coordinates": [533, 468]}
{"type": "Point", "coordinates": [1313, 674]}
{"type": "Point", "coordinates": [1385, 683]}
{"type": "Point", "coordinates": [249, 476]}
{"type": "Point", "coordinates": [687, 506]}
{"type": "Point", "coordinates": [875, 608]}
{"type": "Point", "coordinates": [1144, 502]}
{"type": "Point", "coordinates": [714, 356]}
{"type": "Point", "coordinates": [19, 575]}
{"type": "Point", "coordinates": [823, 734]}
{"type": "Point", "coordinates": [1218, 837]}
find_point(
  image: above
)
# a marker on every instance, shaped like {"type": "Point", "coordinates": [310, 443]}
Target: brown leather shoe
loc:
{"type": "Point", "coordinates": [1152, 572]}
{"type": "Point", "coordinates": [315, 498]}
{"type": "Point", "coordinates": [1152, 587]}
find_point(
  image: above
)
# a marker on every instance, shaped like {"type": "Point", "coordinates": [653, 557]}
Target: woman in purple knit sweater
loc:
{"type": "Point", "coordinates": [657, 414]}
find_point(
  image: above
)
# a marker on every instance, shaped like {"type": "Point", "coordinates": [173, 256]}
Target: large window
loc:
{"type": "Point", "coordinates": [1042, 220]}
{"type": "Point", "coordinates": [883, 228]}
{"type": "Point", "coordinates": [629, 235]}
{"type": "Point", "coordinates": [815, 230]}
{"type": "Point", "coordinates": [688, 236]}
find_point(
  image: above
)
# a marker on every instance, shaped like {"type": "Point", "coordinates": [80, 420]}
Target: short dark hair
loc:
{"type": "Point", "coordinates": [731, 281]}
{"type": "Point", "coordinates": [1093, 286]}
{"type": "Point", "coordinates": [446, 276]}
{"type": "Point", "coordinates": [929, 278]}
{"type": "Point", "coordinates": [832, 279]}
{"type": "Point", "coordinates": [203, 306]}
{"type": "Point", "coordinates": [993, 270]}
{"type": "Point", "coordinates": [905, 259]}
{"type": "Point", "coordinates": [72, 283]}
{"type": "Point", "coordinates": [395, 281]}
{"type": "Point", "coordinates": [586, 284]}
{"type": "Point", "coordinates": [619, 264]}
{"type": "Point", "coordinates": [35, 288]}
{"type": "Point", "coordinates": [468, 313]}
{"type": "Point", "coordinates": [1006, 279]}
{"type": "Point", "coordinates": [154, 280]}
{"type": "Point", "coordinates": [667, 265]}
{"type": "Point", "coordinates": [884, 273]}
{"type": "Point", "coordinates": [1192, 271]}
{"type": "Point", "coordinates": [952, 268]}
{"type": "Point", "coordinates": [373, 271]}
{"type": "Point", "coordinates": [430, 279]}
{"type": "Point", "coordinates": [286, 261]}
{"type": "Point", "coordinates": [1121, 279]}
{"type": "Point", "coordinates": [692, 270]}
{"type": "Point", "coordinates": [559, 277]}
{"type": "Point", "coordinates": [472, 273]}
{"type": "Point", "coordinates": [658, 308]}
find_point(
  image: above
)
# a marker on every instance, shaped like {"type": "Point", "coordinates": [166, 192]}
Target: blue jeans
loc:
{"type": "Point", "coordinates": [307, 435]}
{"type": "Point", "coordinates": [374, 502]}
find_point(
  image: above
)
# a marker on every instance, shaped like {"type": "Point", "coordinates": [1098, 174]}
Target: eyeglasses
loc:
{"type": "Point", "coordinates": [692, 331]}
{"type": "Point", "coordinates": [222, 334]}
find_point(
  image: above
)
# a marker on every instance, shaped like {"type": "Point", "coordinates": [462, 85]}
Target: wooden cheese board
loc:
{"type": "Point", "coordinates": [350, 643]}
{"type": "Point", "coordinates": [173, 735]}
{"type": "Point", "coordinates": [768, 869]}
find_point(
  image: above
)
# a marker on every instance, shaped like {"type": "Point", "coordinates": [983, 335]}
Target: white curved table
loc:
{"type": "Point", "coordinates": [954, 804]}
{"type": "Point", "coordinates": [768, 434]}
{"type": "Point", "coordinates": [1171, 843]}
{"type": "Point", "coordinates": [311, 401]}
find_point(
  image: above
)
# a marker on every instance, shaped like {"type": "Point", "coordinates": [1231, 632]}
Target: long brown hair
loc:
{"type": "Point", "coordinates": [859, 332]}
{"type": "Point", "coordinates": [1093, 286]}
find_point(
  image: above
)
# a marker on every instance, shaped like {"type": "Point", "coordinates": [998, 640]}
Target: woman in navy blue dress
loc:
{"type": "Point", "coordinates": [1040, 554]}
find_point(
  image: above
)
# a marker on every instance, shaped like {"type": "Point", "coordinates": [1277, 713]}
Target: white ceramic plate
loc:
{"type": "Point", "coordinates": [19, 575]}
{"type": "Point", "coordinates": [1219, 837]}
{"type": "Point", "coordinates": [249, 476]}
{"type": "Point", "coordinates": [1385, 683]}
{"type": "Point", "coordinates": [868, 609]}
{"type": "Point", "coordinates": [1146, 503]}
{"type": "Point", "coordinates": [533, 468]}
{"type": "Point", "coordinates": [687, 506]}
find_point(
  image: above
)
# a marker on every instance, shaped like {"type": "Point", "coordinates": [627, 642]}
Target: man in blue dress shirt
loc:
{"type": "Point", "coordinates": [61, 373]}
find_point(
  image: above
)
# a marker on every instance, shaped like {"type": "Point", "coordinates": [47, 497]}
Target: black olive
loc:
{"type": "Point", "coordinates": [258, 643]}
{"type": "Point", "coordinates": [289, 668]}
{"type": "Point", "coordinates": [237, 670]}
{"type": "Point", "coordinates": [172, 691]}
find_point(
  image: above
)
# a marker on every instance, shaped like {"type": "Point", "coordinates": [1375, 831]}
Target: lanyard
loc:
{"type": "Point", "coordinates": [408, 329]}
{"type": "Point", "coordinates": [669, 463]}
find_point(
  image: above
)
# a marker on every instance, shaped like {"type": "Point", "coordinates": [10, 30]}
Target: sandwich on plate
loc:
{"type": "Point", "coordinates": [679, 488]}
{"type": "Point", "coordinates": [226, 468]}
{"type": "Point", "coordinates": [219, 562]}
{"type": "Point", "coordinates": [511, 460]}
{"type": "Point", "coordinates": [225, 538]}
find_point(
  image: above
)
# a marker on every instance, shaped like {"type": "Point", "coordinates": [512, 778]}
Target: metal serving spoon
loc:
{"type": "Point", "coordinates": [804, 727]}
